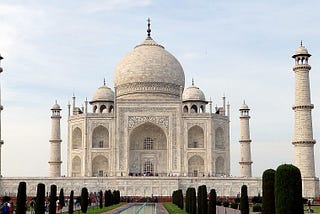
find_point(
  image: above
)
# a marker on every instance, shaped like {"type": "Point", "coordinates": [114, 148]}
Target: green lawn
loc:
{"type": "Point", "coordinates": [173, 209]}
{"type": "Point", "coordinates": [97, 210]}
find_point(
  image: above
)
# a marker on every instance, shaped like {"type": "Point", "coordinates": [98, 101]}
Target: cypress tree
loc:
{"type": "Point", "coordinates": [84, 201]}
{"type": "Point", "coordinates": [193, 201]}
{"type": "Point", "coordinates": [71, 203]}
{"type": "Point", "coordinates": [40, 199]}
{"type": "Point", "coordinates": [212, 202]}
{"type": "Point", "coordinates": [53, 199]}
{"type": "Point", "coordinates": [100, 199]}
{"type": "Point", "coordinates": [61, 199]}
{"type": "Point", "coordinates": [202, 200]}
{"type": "Point", "coordinates": [188, 200]}
{"type": "Point", "coordinates": [288, 190]}
{"type": "Point", "coordinates": [244, 201]}
{"type": "Point", "coordinates": [180, 198]}
{"type": "Point", "coordinates": [268, 199]}
{"type": "Point", "coordinates": [21, 207]}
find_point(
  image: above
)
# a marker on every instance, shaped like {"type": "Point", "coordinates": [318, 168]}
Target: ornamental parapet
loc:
{"type": "Point", "coordinates": [303, 142]}
{"type": "Point", "coordinates": [148, 87]}
{"type": "Point", "coordinates": [309, 106]}
{"type": "Point", "coordinates": [301, 67]}
{"type": "Point", "coordinates": [245, 162]}
{"type": "Point", "coordinates": [244, 141]}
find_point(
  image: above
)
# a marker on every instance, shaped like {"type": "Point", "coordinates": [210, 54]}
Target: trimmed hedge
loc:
{"type": "Point", "coordinates": [202, 200]}
{"type": "Point", "coordinates": [40, 199]}
{"type": "Point", "coordinates": [244, 201]}
{"type": "Point", "coordinates": [268, 200]}
{"type": "Point", "coordinates": [71, 202]}
{"type": "Point", "coordinates": [212, 202]}
{"type": "Point", "coordinates": [53, 199]}
{"type": "Point", "coordinates": [22, 198]}
{"type": "Point", "coordinates": [84, 201]}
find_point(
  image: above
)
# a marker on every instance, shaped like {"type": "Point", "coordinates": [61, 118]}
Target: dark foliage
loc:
{"type": "Point", "coordinates": [234, 206]}
{"type": "Point", "coordinates": [288, 190]}
{"type": "Point", "coordinates": [257, 208]}
{"type": "Point", "coordinates": [188, 200]}
{"type": "Point", "coordinates": [212, 202]}
{"type": "Point", "coordinates": [21, 206]}
{"type": "Point", "coordinates": [226, 203]}
{"type": "Point", "coordinates": [61, 199]}
{"type": "Point", "coordinates": [244, 201]}
{"type": "Point", "coordinates": [193, 201]}
{"type": "Point", "coordinates": [202, 200]}
{"type": "Point", "coordinates": [71, 202]}
{"type": "Point", "coordinates": [84, 201]}
{"type": "Point", "coordinates": [40, 199]}
{"type": "Point", "coordinates": [52, 199]}
{"type": "Point", "coordinates": [100, 199]}
{"type": "Point", "coordinates": [268, 200]}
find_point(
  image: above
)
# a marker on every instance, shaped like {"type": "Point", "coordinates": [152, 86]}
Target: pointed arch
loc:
{"type": "Point", "coordinates": [219, 138]}
{"type": "Point", "coordinates": [194, 109]}
{"type": "Point", "coordinates": [100, 137]}
{"type": "Point", "coordinates": [111, 109]}
{"type": "Point", "coordinates": [102, 108]}
{"type": "Point", "coordinates": [185, 109]}
{"type": "Point", "coordinates": [100, 166]}
{"type": "Point", "coordinates": [76, 138]}
{"type": "Point", "coordinates": [76, 167]}
{"type": "Point", "coordinates": [220, 169]}
{"type": "Point", "coordinates": [196, 166]}
{"type": "Point", "coordinates": [95, 109]}
{"type": "Point", "coordinates": [195, 137]}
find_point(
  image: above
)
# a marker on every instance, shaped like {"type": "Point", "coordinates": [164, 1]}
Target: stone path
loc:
{"type": "Point", "coordinates": [160, 209]}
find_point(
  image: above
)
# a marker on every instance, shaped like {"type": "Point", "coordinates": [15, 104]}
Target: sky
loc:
{"type": "Point", "coordinates": [240, 49]}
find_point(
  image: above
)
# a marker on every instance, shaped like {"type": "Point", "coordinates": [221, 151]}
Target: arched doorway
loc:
{"type": "Point", "coordinates": [195, 166]}
{"type": "Point", "coordinates": [148, 151]}
{"type": "Point", "coordinates": [100, 166]}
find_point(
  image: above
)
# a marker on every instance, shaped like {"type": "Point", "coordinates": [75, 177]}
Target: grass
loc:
{"type": "Point", "coordinates": [173, 209]}
{"type": "Point", "coordinates": [97, 210]}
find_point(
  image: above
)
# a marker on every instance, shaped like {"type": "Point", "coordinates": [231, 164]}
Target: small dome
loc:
{"type": "Point", "coordinates": [56, 107]}
{"type": "Point", "coordinates": [103, 93]}
{"type": "Point", "coordinates": [193, 93]}
{"type": "Point", "coordinates": [244, 106]}
{"type": "Point", "coordinates": [301, 51]}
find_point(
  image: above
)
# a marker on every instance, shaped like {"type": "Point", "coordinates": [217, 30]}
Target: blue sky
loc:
{"type": "Point", "coordinates": [242, 49]}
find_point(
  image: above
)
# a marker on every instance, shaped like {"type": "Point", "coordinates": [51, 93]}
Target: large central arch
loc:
{"type": "Point", "coordinates": [148, 150]}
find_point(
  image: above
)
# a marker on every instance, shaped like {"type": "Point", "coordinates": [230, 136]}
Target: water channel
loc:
{"type": "Point", "coordinates": [146, 208]}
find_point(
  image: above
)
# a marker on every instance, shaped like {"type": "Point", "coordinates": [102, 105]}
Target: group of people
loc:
{"type": "Point", "coordinates": [7, 208]}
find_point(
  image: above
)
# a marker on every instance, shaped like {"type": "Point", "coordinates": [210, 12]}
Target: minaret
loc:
{"type": "Point", "coordinates": [245, 152]}
{"type": "Point", "coordinates": [303, 137]}
{"type": "Point", "coordinates": [1, 108]}
{"type": "Point", "coordinates": [55, 142]}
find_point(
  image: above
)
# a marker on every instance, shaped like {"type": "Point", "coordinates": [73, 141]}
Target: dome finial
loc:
{"type": "Point", "coordinates": [192, 82]}
{"type": "Point", "coordinates": [301, 43]}
{"type": "Point", "coordinates": [104, 81]}
{"type": "Point", "coordinates": [149, 29]}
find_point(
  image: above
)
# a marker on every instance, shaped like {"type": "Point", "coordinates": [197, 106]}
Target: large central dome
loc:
{"type": "Point", "coordinates": [149, 70]}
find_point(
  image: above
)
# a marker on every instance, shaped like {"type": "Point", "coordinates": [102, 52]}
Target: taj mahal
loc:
{"type": "Point", "coordinates": [152, 133]}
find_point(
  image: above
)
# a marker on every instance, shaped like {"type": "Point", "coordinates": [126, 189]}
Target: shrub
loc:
{"type": "Point", "coordinates": [188, 200]}
{"type": "Point", "coordinates": [100, 199]}
{"type": "Point", "coordinates": [244, 201]}
{"type": "Point", "coordinates": [202, 200]}
{"type": "Point", "coordinates": [268, 200]}
{"type": "Point", "coordinates": [212, 202]}
{"type": "Point", "coordinates": [226, 203]}
{"type": "Point", "coordinates": [71, 202]}
{"type": "Point", "coordinates": [40, 199]}
{"type": "Point", "coordinates": [288, 190]}
{"type": "Point", "coordinates": [53, 199]}
{"type": "Point", "coordinates": [61, 199]}
{"type": "Point", "coordinates": [84, 201]}
{"type": "Point", "coordinates": [256, 208]}
{"type": "Point", "coordinates": [234, 206]}
{"type": "Point", "coordinates": [21, 198]}
{"type": "Point", "coordinates": [219, 203]}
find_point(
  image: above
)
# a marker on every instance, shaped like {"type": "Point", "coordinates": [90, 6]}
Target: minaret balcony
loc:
{"type": "Point", "coordinates": [301, 67]}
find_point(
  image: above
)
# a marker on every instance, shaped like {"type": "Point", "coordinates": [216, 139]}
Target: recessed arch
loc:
{"type": "Point", "coordinates": [195, 137]}
{"type": "Point", "coordinates": [196, 166]}
{"type": "Point", "coordinates": [95, 108]}
{"type": "Point", "coordinates": [76, 167]}
{"type": "Point", "coordinates": [76, 138]}
{"type": "Point", "coordinates": [102, 108]}
{"type": "Point", "coordinates": [100, 166]}
{"type": "Point", "coordinates": [219, 138]}
{"type": "Point", "coordinates": [148, 144]}
{"type": "Point", "coordinates": [111, 109]}
{"type": "Point", "coordinates": [194, 109]}
{"type": "Point", "coordinates": [100, 137]}
{"type": "Point", "coordinates": [220, 169]}
{"type": "Point", "coordinates": [185, 109]}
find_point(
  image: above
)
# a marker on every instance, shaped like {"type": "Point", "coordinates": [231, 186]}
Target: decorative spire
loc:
{"type": "Point", "coordinates": [192, 82]}
{"type": "Point", "coordinates": [104, 81]}
{"type": "Point", "coordinates": [301, 43]}
{"type": "Point", "coordinates": [149, 29]}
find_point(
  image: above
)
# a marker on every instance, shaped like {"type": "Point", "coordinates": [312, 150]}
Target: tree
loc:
{"type": "Point", "coordinates": [193, 201]}
{"type": "Point", "coordinates": [244, 201]}
{"type": "Point", "coordinates": [61, 199]}
{"type": "Point", "coordinates": [202, 200]}
{"type": "Point", "coordinates": [21, 207]}
{"type": "Point", "coordinates": [71, 202]}
{"type": "Point", "coordinates": [105, 198]}
{"type": "Point", "coordinates": [268, 200]}
{"type": "Point", "coordinates": [53, 199]}
{"type": "Point", "coordinates": [188, 200]}
{"type": "Point", "coordinates": [180, 198]}
{"type": "Point", "coordinates": [288, 190]}
{"type": "Point", "coordinates": [100, 199]}
{"type": "Point", "coordinates": [84, 201]}
{"type": "Point", "coordinates": [40, 199]}
{"type": "Point", "coordinates": [212, 202]}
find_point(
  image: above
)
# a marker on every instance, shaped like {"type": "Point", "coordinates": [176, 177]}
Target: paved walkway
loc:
{"type": "Point", "coordinates": [160, 209]}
